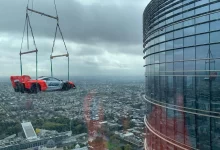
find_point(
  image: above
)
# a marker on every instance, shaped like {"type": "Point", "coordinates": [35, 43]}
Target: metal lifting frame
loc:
{"type": "Point", "coordinates": [62, 55]}
{"type": "Point", "coordinates": [42, 13]}
{"type": "Point", "coordinates": [27, 22]}
{"type": "Point", "coordinates": [51, 57]}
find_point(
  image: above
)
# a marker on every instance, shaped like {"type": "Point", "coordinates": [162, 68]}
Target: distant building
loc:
{"type": "Point", "coordinates": [48, 140]}
{"type": "Point", "coordinates": [181, 40]}
{"type": "Point", "coordinates": [29, 131]}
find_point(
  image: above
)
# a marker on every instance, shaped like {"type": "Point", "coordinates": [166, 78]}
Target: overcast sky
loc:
{"type": "Point", "coordinates": [103, 37]}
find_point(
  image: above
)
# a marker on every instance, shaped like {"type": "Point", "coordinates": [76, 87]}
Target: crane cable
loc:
{"type": "Point", "coordinates": [58, 27]}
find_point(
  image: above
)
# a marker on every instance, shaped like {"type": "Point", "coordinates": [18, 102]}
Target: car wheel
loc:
{"type": "Point", "coordinates": [65, 87]}
{"type": "Point", "coordinates": [19, 87]}
{"type": "Point", "coordinates": [69, 86]}
{"type": "Point", "coordinates": [16, 87]}
{"type": "Point", "coordinates": [35, 88]}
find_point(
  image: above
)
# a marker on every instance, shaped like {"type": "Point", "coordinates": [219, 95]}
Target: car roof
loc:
{"type": "Point", "coordinates": [42, 77]}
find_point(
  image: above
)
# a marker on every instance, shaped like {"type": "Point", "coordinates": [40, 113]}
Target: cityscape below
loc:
{"type": "Point", "coordinates": [68, 119]}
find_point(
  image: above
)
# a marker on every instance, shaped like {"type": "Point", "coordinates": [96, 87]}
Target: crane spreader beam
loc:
{"type": "Point", "coordinates": [28, 52]}
{"type": "Point", "coordinates": [42, 13]}
{"type": "Point", "coordinates": [67, 55]}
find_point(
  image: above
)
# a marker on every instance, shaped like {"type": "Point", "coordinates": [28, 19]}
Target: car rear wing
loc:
{"type": "Point", "coordinates": [21, 79]}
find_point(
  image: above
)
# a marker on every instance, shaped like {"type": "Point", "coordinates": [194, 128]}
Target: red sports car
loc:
{"type": "Point", "coordinates": [26, 84]}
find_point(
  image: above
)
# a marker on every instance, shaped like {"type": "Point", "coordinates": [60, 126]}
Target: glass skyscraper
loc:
{"type": "Point", "coordinates": [181, 40]}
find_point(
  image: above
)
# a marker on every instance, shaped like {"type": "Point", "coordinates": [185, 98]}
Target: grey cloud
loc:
{"type": "Point", "coordinates": [90, 23]}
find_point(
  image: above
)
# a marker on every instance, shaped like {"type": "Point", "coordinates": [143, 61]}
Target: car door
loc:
{"type": "Point", "coordinates": [54, 83]}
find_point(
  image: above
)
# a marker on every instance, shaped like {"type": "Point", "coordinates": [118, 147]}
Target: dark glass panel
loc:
{"type": "Point", "coordinates": [188, 14]}
{"type": "Point", "coordinates": [178, 25]}
{"type": "Point", "coordinates": [202, 28]}
{"type": "Point", "coordinates": [202, 9]}
{"type": "Point", "coordinates": [214, 25]}
{"type": "Point", "coordinates": [169, 36]}
{"type": "Point", "coordinates": [178, 54]}
{"type": "Point", "coordinates": [169, 45]}
{"type": "Point", "coordinates": [202, 52]}
{"type": "Point", "coordinates": [189, 41]}
{"type": "Point", "coordinates": [201, 2]}
{"type": "Point", "coordinates": [156, 58]}
{"type": "Point", "coordinates": [157, 48]}
{"type": "Point", "coordinates": [215, 6]}
{"type": "Point", "coordinates": [203, 137]}
{"type": "Point", "coordinates": [189, 67]}
{"type": "Point", "coordinates": [215, 16]}
{"type": "Point", "coordinates": [178, 33]}
{"type": "Point", "coordinates": [189, 31]}
{"type": "Point", "coordinates": [202, 19]}
{"type": "Point", "coordinates": [188, 22]}
{"type": "Point", "coordinates": [162, 38]}
{"type": "Point", "coordinates": [162, 57]}
{"type": "Point", "coordinates": [215, 51]}
{"type": "Point", "coordinates": [202, 39]}
{"type": "Point", "coordinates": [178, 66]}
{"type": "Point", "coordinates": [189, 91]}
{"type": "Point", "coordinates": [178, 17]}
{"type": "Point", "coordinates": [188, 6]}
{"type": "Point", "coordinates": [162, 46]}
{"type": "Point", "coordinates": [178, 43]}
{"type": "Point", "coordinates": [169, 56]}
{"type": "Point", "coordinates": [169, 28]}
{"type": "Point", "coordinates": [215, 37]}
{"type": "Point", "coordinates": [170, 20]}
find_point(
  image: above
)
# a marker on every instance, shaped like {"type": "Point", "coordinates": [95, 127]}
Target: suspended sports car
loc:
{"type": "Point", "coordinates": [26, 84]}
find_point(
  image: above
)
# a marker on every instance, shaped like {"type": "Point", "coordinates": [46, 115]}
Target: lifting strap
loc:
{"type": "Point", "coordinates": [28, 24]}
{"type": "Point", "coordinates": [62, 55]}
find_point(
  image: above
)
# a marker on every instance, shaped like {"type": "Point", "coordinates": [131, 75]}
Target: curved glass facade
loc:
{"type": "Point", "coordinates": [181, 40]}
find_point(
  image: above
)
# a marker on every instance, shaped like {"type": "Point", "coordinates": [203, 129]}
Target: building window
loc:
{"type": "Point", "coordinates": [188, 22]}
{"type": "Point", "coordinates": [188, 14]}
{"type": "Point", "coordinates": [162, 46]}
{"type": "Point", "coordinates": [178, 54]}
{"type": "Point", "coordinates": [215, 37]}
{"type": "Point", "coordinates": [189, 41]}
{"type": "Point", "coordinates": [169, 45]}
{"type": "Point", "coordinates": [169, 36]}
{"type": "Point", "coordinates": [178, 43]}
{"type": "Point", "coordinates": [169, 56]}
{"type": "Point", "coordinates": [202, 39]}
{"type": "Point", "coordinates": [215, 51]}
{"type": "Point", "coordinates": [162, 57]}
{"type": "Point", "coordinates": [189, 53]}
{"type": "Point", "coordinates": [178, 33]}
{"type": "Point", "coordinates": [189, 31]}
{"type": "Point", "coordinates": [202, 52]}
{"type": "Point", "coordinates": [215, 6]}
{"type": "Point", "coordinates": [202, 10]}
{"type": "Point", "coordinates": [215, 25]}
{"type": "Point", "coordinates": [178, 25]}
{"type": "Point", "coordinates": [189, 67]}
{"type": "Point", "coordinates": [202, 19]}
{"type": "Point", "coordinates": [202, 28]}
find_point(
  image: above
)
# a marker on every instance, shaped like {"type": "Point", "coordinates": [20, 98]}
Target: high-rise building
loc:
{"type": "Point", "coordinates": [181, 40]}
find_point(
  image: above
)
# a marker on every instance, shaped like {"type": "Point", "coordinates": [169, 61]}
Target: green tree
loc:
{"type": "Point", "coordinates": [127, 147]}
